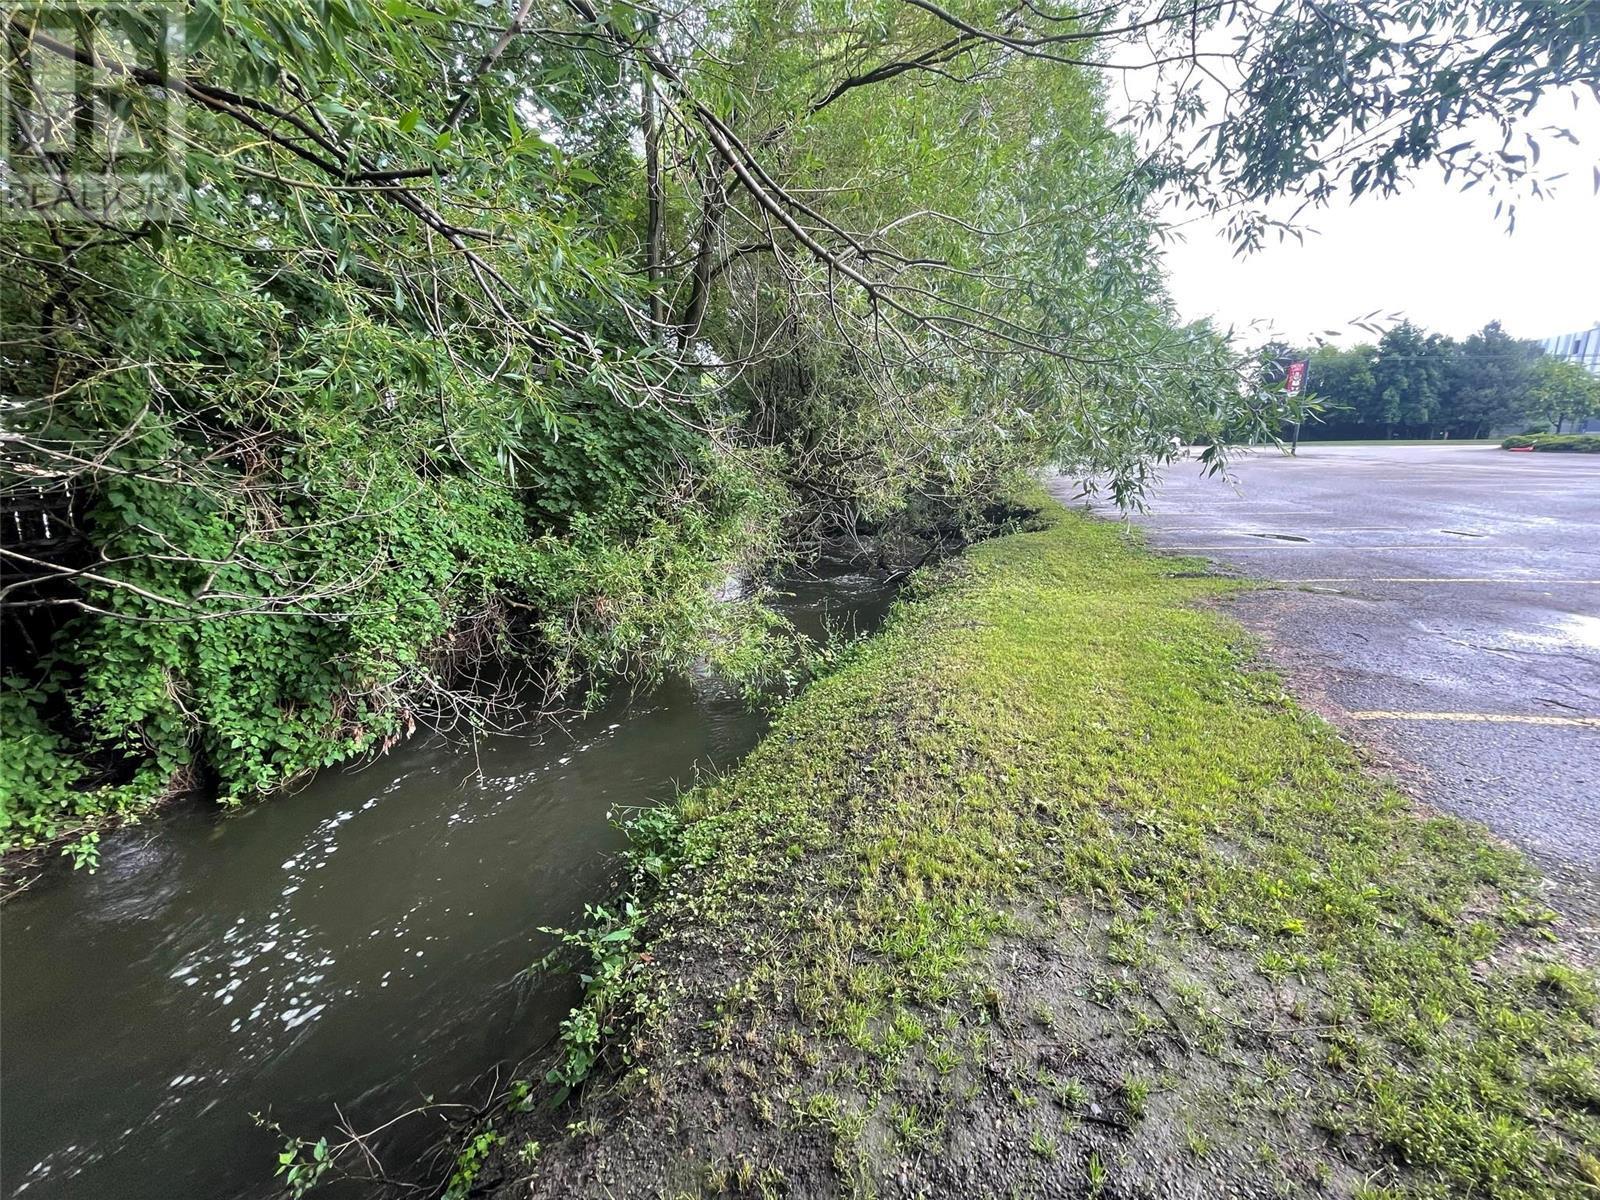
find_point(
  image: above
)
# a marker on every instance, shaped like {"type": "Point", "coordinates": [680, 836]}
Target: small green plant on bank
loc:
{"type": "Point", "coordinates": [1136, 1094]}
{"type": "Point", "coordinates": [605, 946]}
{"type": "Point", "coordinates": [1095, 1174]}
{"type": "Point", "coordinates": [302, 1163]}
{"type": "Point", "coordinates": [469, 1161]}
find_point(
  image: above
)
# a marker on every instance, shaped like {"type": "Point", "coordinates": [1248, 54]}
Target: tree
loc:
{"type": "Point", "coordinates": [1342, 382]}
{"type": "Point", "coordinates": [1408, 378]}
{"type": "Point", "coordinates": [1562, 391]}
{"type": "Point", "coordinates": [1488, 382]}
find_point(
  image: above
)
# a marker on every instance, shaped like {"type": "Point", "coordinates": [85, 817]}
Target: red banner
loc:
{"type": "Point", "coordinates": [1294, 378]}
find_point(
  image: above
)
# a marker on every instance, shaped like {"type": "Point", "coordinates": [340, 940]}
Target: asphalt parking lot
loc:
{"type": "Point", "coordinates": [1445, 601]}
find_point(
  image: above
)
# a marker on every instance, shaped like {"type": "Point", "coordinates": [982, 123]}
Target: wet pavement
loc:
{"type": "Point", "coordinates": [1443, 600]}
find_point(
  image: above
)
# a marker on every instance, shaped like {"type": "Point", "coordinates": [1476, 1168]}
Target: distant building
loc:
{"type": "Point", "coordinates": [1582, 348]}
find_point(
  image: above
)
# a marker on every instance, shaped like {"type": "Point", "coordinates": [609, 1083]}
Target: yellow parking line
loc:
{"type": "Point", "coordinates": [1436, 579]}
{"type": "Point", "coordinates": [1483, 718]}
{"type": "Point", "coordinates": [1277, 545]}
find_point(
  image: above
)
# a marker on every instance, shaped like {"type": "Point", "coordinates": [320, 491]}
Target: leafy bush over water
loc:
{"type": "Point", "coordinates": [368, 532]}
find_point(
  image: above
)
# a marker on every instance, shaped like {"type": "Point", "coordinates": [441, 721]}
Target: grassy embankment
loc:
{"type": "Point", "coordinates": [1048, 891]}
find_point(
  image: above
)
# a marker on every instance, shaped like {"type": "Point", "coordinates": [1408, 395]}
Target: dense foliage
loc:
{"type": "Point", "coordinates": [1418, 384]}
{"type": "Point", "coordinates": [459, 335]}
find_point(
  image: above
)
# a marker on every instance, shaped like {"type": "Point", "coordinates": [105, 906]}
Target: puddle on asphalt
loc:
{"type": "Point", "coordinates": [1577, 630]}
{"type": "Point", "coordinates": [1280, 537]}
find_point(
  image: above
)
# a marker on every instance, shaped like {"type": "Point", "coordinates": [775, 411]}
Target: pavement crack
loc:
{"type": "Point", "coordinates": [1558, 703]}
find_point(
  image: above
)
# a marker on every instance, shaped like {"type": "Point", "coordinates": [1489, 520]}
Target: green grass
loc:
{"type": "Point", "coordinates": [1057, 744]}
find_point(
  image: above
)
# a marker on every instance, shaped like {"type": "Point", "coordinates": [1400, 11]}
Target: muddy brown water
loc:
{"type": "Point", "coordinates": [352, 948]}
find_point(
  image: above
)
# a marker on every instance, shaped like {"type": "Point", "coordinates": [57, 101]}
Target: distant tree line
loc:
{"type": "Point", "coordinates": [1417, 384]}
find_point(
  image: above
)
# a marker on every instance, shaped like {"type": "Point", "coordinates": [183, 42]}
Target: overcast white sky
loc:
{"type": "Point", "coordinates": [1435, 255]}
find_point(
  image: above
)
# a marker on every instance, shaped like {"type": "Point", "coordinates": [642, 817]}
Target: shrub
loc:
{"type": "Point", "coordinates": [1561, 443]}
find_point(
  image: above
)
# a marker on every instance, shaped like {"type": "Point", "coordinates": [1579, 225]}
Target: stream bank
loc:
{"type": "Point", "coordinates": [1051, 890]}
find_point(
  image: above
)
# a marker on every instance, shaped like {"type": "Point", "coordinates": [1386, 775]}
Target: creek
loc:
{"type": "Point", "coordinates": [351, 949]}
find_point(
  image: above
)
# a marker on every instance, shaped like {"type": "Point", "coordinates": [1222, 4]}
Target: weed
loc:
{"type": "Point", "coordinates": [1095, 1174]}
{"type": "Point", "coordinates": [1135, 1095]}
{"type": "Point", "coordinates": [469, 1161]}
{"type": "Point", "coordinates": [1069, 1093]}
